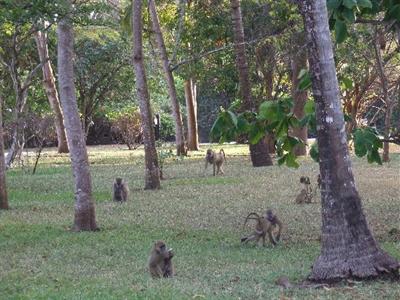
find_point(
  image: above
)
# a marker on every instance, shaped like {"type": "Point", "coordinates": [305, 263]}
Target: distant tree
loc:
{"type": "Point", "coordinates": [348, 247]}
{"type": "Point", "coordinates": [3, 187]}
{"type": "Point", "coordinates": [50, 87]}
{"type": "Point", "coordinates": [152, 172]}
{"type": "Point", "coordinates": [85, 219]}
{"type": "Point", "coordinates": [259, 152]}
{"type": "Point", "coordinates": [179, 137]}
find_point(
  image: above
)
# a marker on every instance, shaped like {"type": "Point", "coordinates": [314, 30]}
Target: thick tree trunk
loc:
{"type": "Point", "coordinates": [348, 248]}
{"type": "Point", "coordinates": [176, 112]}
{"type": "Point", "coordinates": [85, 219]}
{"type": "Point", "coordinates": [299, 62]}
{"type": "Point", "coordinates": [3, 186]}
{"type": "Point", "coordinates": [51, 90]}
{"type": "Point", "coordinates": [256, 151]}
{"type": "Point", "coordinates": [191, 107]}
{"type": "Point", "coordinates": [152, 172]}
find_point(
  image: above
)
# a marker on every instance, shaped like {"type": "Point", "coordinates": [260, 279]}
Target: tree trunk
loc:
{"type": "Point", "coordinates": [51, 90]}
{"type": "Point", "coordinates": [18, 139]}
{"type": "Point", "coordinates": [348, 248]}
{"type": "Point", "coordinates": [386, 98]}
{"type": "Point", "coordinates": [256, 151]}
{"type": "Point", "coordinates": [179, 137]}
{"type": "Point", "coordinates": [3, 187]}
{"type": "Point", "coordinates": [299, 62]}
{"type": "Point", "coordinates": [85, 219]}
{"type": "Point", "coordinates": [191, 107]}
{"type": "Point", "coordinates": [152, 173]}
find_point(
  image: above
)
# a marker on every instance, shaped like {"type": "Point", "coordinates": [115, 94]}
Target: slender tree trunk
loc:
{"type": "Point", "coordinates": [257, 152]}
{"type": "Point", "coordinates": [152, 172]}
{"type": "Point", "coordinates": [179, 137]}
{"type": "Point", "coordinates": [17, 140]}
{"type": "Point", "coordinates": [299, 62]}
{"type": "Point", "coordinates": [51, 90]}
{"type": "Point", "coordinates": [85, 219]}
{"type": "Point", "coordinates": [3, 187]}
{"type": "Point", "coordinates": [348, 248]}
{"type": "Point", "coordinates": [386, 98]}
{"type": "Point", "coordinates": [191, 107]}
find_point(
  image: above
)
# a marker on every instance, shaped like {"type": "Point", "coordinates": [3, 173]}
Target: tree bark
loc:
{"type": "Point", "coordinates": [299, 62]}
{"type": "Point", "coordinates": [152, 172]}
{"type": "Point", "coordinates": [85, 219]}
{"type": "Point", "coordinates": [191, 107]}
{"type": "Point", "coordinates": [3, 186]}
{"type": "Point", "coordinates": [386, 98]}
{"type": "Point", "coordinates": [176, 112]}
{"type": "Point", "coordinates": [257, 152]}
{"type": "Point", "coordinates": [348, 248]}
{"type": "Point", "coordinates": [51, 90]}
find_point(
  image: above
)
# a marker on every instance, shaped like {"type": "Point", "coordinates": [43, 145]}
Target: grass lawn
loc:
{"type": "Point", "coordinates": [198, 215]}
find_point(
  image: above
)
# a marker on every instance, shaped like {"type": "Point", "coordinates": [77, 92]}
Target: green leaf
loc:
{"type": "Point", "coordinates": [340, 31]}
{"type": "Point", "coordinates": [305, 82]}
{"type": "Point", "coordinates": [393, 13]}
{"type": "Point", "coordinates": [348, 83]}
{"type": "Point", "coordinates": [233, 118]}
{"type": "Point", "coordinates": [282, 160]}
{"type": "Point", "coordinates": [364, 3]}
{"type": "Point", "coordinates": [333, 4]}
{"type": "Point", "coordinates": [314, 152]}
{"type": "Point", "coordinates": [291, 161]}
{"type": "Point", "coordinates": [268, 110]}
{"type": "Point", "coordinates": [348, 15]}
{"type": "Point", "coordinates": [309, 107]}
{"type": "Point", "coordinates": [256, 134]}
{"type": "Point", "coordinates": [350, 3]}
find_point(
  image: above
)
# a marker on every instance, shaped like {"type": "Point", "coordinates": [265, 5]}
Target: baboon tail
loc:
{"type": "Point", "coordinates": [248, 218]}
{"type": "Point", "coordinates": [223, 153]}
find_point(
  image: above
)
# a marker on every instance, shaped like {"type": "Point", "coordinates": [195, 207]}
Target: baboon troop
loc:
{"type": "Point", "coordinates": [160, 261]}
{"type": "Point", "coordinates": [266, 224]}
{"type": "Point", "coordinates": [120, 190]}
{"type": "Point", "coordinates": [216, 159]}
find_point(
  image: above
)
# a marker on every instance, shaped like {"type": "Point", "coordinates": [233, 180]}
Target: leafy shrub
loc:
{"type": "Point", "coordinates": [126, 126]}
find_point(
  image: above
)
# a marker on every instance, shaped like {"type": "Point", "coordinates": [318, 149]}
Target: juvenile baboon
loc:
{"type": "Point", "coordinates": [120, 190]}
{"type": "Point", "coordinates": [263, 226]}
{"type": "Point", "coordinates": [273, 219]}
{"type": "Point", "coordinates": [216, 159]}
{"type": "Point", "coordinates": [305, 195]}
{"type": "Point", "coordinates": [160, 261]}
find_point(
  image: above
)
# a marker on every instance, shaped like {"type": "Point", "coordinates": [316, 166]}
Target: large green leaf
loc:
{"type": "Point", "coordinates": [314, 152]}
{"type": "Point", "coordinates": [364, 3]}
{"type": "Point", "coordinates": [340, 31]}
{"type": "Point", "coordinates": [268, 111]}
{"type": "Point", "coordinates": [233, 117]}
{"type": "Point", "coordinates": [333, 4]}
{"type": "Point", "coordinates": [350, 3]}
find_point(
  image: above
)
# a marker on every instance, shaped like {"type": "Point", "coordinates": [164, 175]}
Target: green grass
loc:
{"type": "Point", "coordinates": [198, 215]}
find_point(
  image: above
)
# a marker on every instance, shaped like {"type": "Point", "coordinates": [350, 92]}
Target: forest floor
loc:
{"type": "Point", "coordinates": [198, 215]}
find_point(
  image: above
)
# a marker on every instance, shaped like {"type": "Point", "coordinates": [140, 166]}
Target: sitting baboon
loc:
{"type": "Point", "coordinates": [160, 261]}
{"type": "Point", "coordinates": [263, 226]}
{"type": "Point", "coordinates": [120, 190]}
{"type": "Point", "coordinates": [216, 159]}
{"type": "Point", "coordinates": [305, 195]}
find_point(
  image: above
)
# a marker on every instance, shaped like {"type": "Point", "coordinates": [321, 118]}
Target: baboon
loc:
{"type": "Point", "coordinates": [216, 159]}
{"type": "Point", "coordinates": [120, 190]}
{"type": "Point", "coordinates": [305, 195]}
{"type": "Point", "coordinates": [263, 227]}
{"type": "Point", "coordinates": [160, 261]}
{"type": "Point", "coordinates": [273, 219]}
